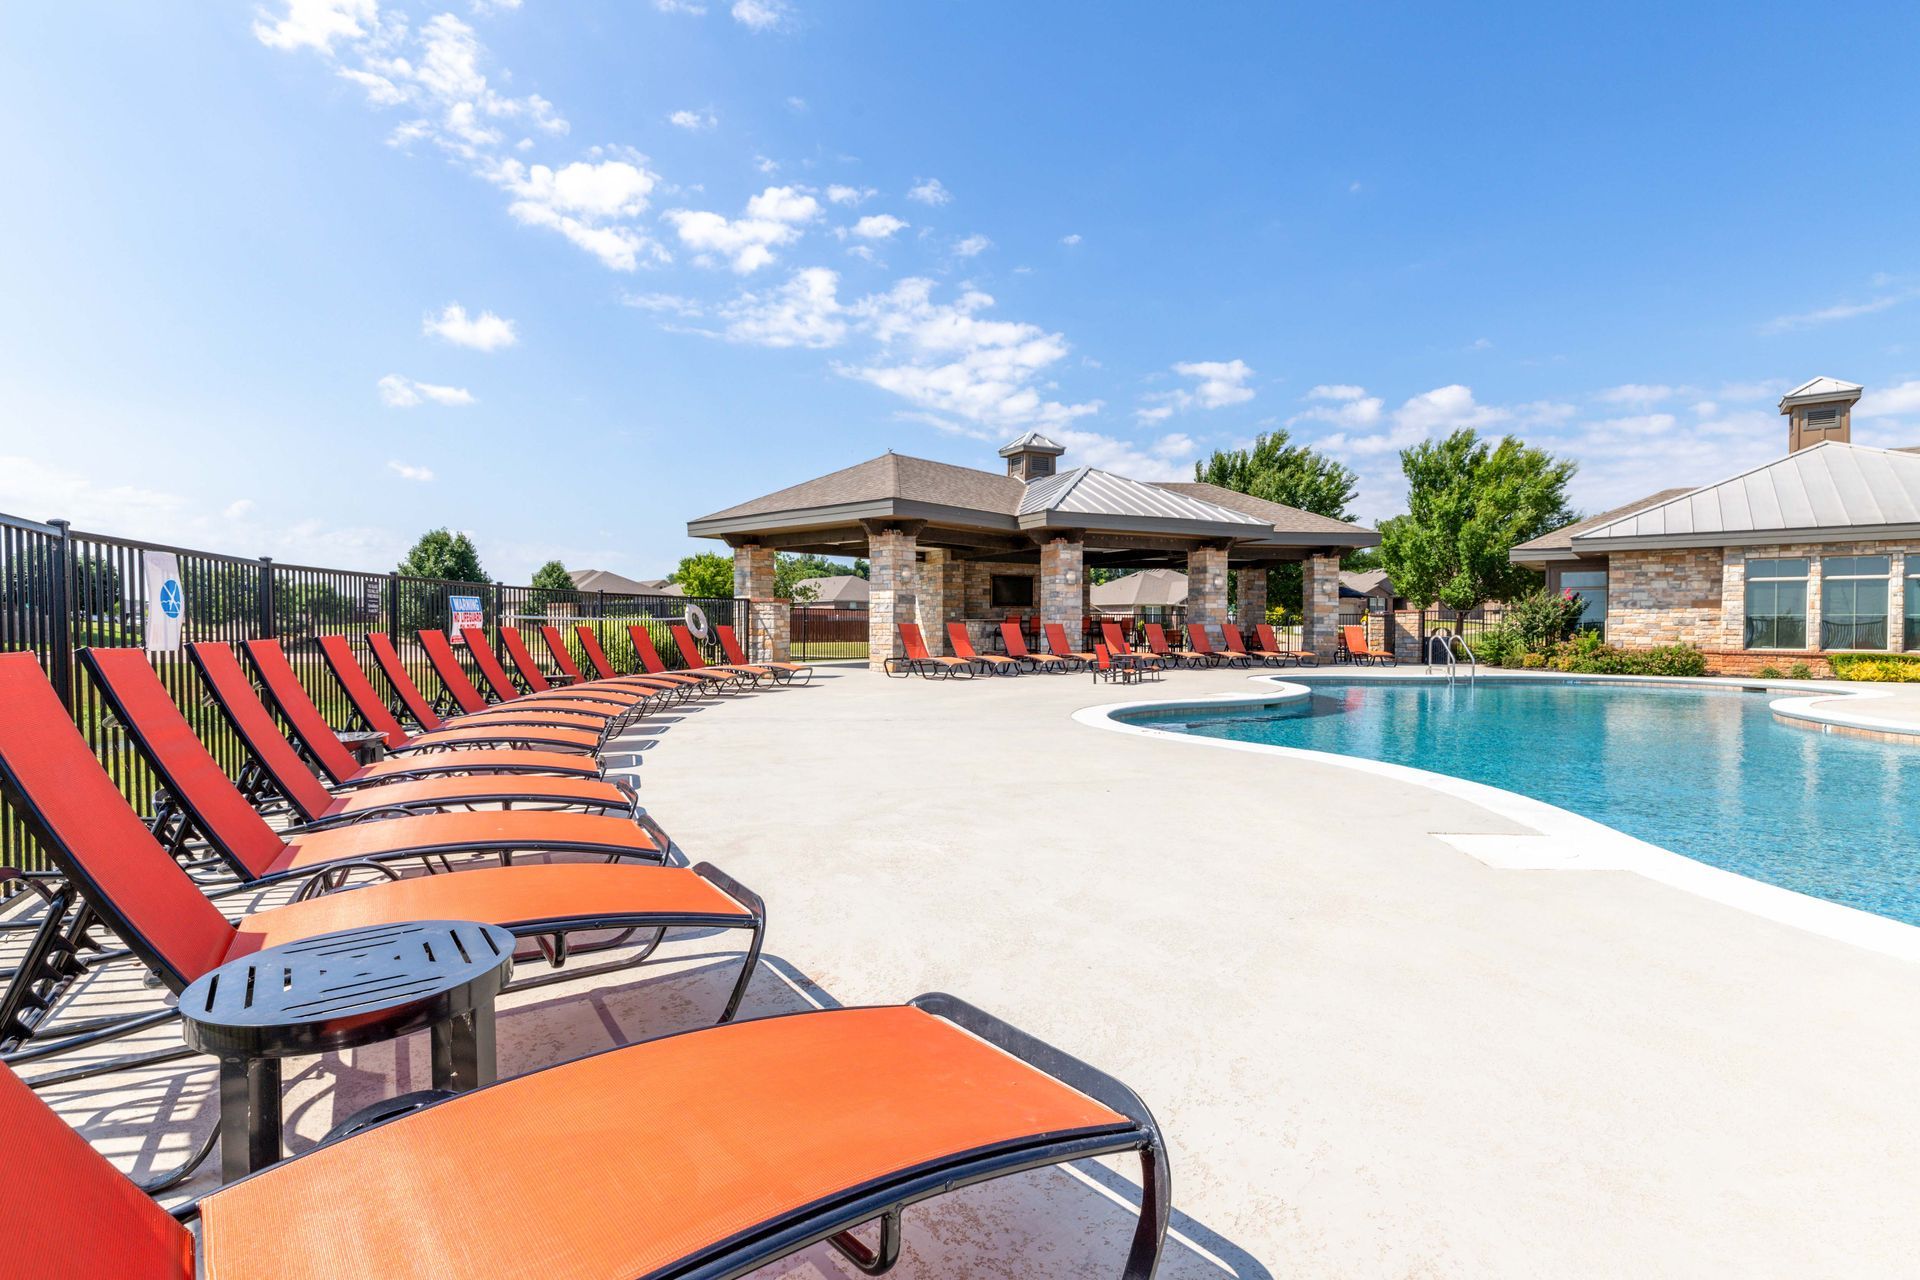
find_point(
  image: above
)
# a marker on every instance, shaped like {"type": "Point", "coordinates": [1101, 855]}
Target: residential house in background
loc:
{"type": "Point", "coordinates": [617, 584]}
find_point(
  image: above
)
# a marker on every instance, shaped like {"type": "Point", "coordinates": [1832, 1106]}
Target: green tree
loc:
{"type": "Point", "coordinates": [1293, 475]}
{"type": "Point", "coordinates": [1279, 471]}
{"type": "Point", "coordinates": [707, 574]}
{"type": "Point", "coordinates": [1469, 503]}
{"type": "Point", "coordinates": [552, 576]}
{"type": "Point", "coordinates": [790, 570]}
{"type": "Point", "coordinates": [442, 553]}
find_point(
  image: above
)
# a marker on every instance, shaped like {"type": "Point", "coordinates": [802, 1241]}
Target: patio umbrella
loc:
{"type": "Point", "coordinates": [1150, 588]}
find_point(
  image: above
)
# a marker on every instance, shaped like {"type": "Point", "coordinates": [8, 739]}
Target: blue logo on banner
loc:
{"type": "Point", "coordinates": [170, 598]}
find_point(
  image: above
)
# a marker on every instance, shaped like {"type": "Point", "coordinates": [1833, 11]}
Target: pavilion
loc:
{"type": "Point", "coordinates": [951, 543]}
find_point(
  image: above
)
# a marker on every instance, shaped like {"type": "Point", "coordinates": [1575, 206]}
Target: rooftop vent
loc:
{"type": "Point", "coordinates": [1031, 457]}
{"type": "Point", "coordinates": [1819, 410]}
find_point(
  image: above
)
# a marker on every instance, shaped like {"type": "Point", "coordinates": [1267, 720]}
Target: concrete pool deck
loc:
{"type": "Point", "coordinates": [1373, 1054]}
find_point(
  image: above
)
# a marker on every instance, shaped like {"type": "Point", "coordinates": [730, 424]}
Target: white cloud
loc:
{"type": "Point", "coordinates": [761, 15]}
{"type": "Point", "coordinates": [766, 164]}
{"type": "Point", "coordinates": [973, 246]}
{"type": "Point", "coordinates": [803, 312]}
{"type": "Point", "coordinates": [839, 194]}
{"type": "Point", "coordinates": [587, 202]}
{"type": "Point", "coordinates": [1342, 404]}
{"type": "Point", "coordinates": [1840, 310]}
{"type": "Point", "coordinates": [316, 24]}
{"type": "Point", "coordinates": [1070, 239]}
{"type": "Point", "coordinates": [408, 472]}
{"type": "Point", "coordinates": [405, 393]}
{"type": "Point", "coordinates": [664, 304]}
{"type": "Point", "coordinates": [680, 6]}
{"type": "Point", "coordinates": [773, 218]}
{"type": "Point", "coordinates": [1218, 384]}
{"type": "Point", "coordinates": [487, 8]}
{"type": "Point", "coordinates": [1639, 393]}
{"type": "Point", "coordinates": [693, 121]}
{"type": "Point", "coordinates": [484, 332]}
{"type": "Point", "coordinates": [876, 226]}
{"type": "Point", "coordinates": [929, 191]}
{"type": "Point", "coordinates": [1336, 391]}
{"type": "Point", "coordinates": [796, 104]}
{"type": "Point", "coordinates": [238, 509]}
{"type": "Point", "coordinates": [1899, 400]}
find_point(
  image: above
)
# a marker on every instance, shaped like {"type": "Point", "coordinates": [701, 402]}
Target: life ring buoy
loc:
{"type": "Point", "coordinates": [696, 621]}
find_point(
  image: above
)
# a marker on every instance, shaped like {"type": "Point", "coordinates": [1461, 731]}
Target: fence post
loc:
{"type": "Point", "coordinates": [498, 618]}
{"type": "Point", "coordinates": [60, 651]}
{"type": "Point", "coordinates": [602, 615]}
{"type": "Point", "coordinates": [393, 607]}
{"type": "Point", "coordinates": [266, 598]}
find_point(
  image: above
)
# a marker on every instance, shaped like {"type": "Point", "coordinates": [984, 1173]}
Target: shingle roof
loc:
{"type": "Point", "coordinates": [837, 588]}
{"type": "Point", "coordinates": [1363, 582]}
{"type": "Point", "coordinates": [1826, 489]}
{"type": "Point", "coordinates": [607, 580]}
{"type": "Point", "coordinates": [1561, 539]}
{"type": "Point", "coordinates": [891, 476]}
{"type": "Point", "coordinates": [1090, 491]}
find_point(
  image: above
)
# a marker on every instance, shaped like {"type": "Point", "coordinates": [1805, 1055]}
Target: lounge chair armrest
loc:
{"type": "Point", "coordinates": [379, 1113]}
{"type": "Point", "coordinates": [732, 888]}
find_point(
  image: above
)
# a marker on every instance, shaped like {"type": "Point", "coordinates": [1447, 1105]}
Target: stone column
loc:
{"type": "Point", "coordinates": [1252, 605]}
{"type": "Point", "coordinates": [765, 627]}
{"type": "Point", "coordinates": [770, 638]}
{"type": "Point", "coordinates": [1320, 605]}
{"type": "Point", "coordinates": [1063, 585]}
{"type": "Point", "coordinates": [941, 595]}
{"type": "Point", "coordinates": [1207, 588]}
{"type": "Point", "coordinates": [893, 581]}
{"type": "Point", "coordinates": [1897, 603]}
{"type": "Point", "coordinates": [753, 572]}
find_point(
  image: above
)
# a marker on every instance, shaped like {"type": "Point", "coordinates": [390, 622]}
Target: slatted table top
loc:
{"type": "Point", "coordinates": [339, 990]}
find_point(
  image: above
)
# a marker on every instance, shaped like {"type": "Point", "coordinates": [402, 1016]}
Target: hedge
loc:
{"type": "Point", "coordinates": [1904, 667]}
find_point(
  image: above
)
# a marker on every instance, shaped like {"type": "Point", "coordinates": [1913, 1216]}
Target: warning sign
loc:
{"type": "Point", "coordinates": [464, 611]}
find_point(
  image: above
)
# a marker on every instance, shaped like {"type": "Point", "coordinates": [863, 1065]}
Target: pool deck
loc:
{"type": "Point", "coordinates": [1374, 1053]}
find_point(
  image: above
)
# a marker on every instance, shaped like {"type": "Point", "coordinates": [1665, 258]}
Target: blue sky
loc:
{"type": "Point", "coordinates": [306, 278]}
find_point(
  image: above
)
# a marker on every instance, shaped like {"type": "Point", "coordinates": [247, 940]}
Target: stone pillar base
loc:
{"type": "Point", "coordinates": [772, 631]}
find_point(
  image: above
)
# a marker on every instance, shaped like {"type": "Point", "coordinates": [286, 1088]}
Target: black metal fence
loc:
{"type": "Point", "coordinates": [62, 590]}
{"type": "Point", "coordinates": [822, 632]}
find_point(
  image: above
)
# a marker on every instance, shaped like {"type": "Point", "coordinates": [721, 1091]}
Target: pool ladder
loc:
{"type": "Point", "coordinates": [1451, 646]}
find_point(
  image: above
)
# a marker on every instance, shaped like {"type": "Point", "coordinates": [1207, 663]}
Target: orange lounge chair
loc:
{"type": "Point", "coordinates": [711, 1153]}
{"type": "Point", "coordinates": [918, 661]}
{"type": "Point", "coordinates": [1203, 645]}
{"type": "Point", "coordinates": [962, 645]}
{"type": "Point", "coordinates": [133, 884]}
{"type": "Point", "coordinates": [1059, 647]}
{"type": "Point", "coordinates": [690, 654]}
{"type": "Point", "coordinates": [1016, 644]}
{"type": "Point", "coordinates": [538, 681]}
{"type": "Point", "coordinates": [563, 658]}
{"type": "Point", "coordinates": [1117, 646]}
{"type": "Point", "coordinates": [1158, 646]}
{"type": "Point", "coordinates": [1272, 643]}
{"type": "Point", "coordinates": [574, 716]}
{"type": "Point", "coordinates": [1353, 641]}
{"type": "Point", "coordinates": [612, 701]}
{"type": "Point", "coordinates": [654, 665]}
{"type": "Point", "coordinates": [1114, 670]}
{"type": "Point", "coordinates": [783, 672]}
{"type": "Point", "coordinates": [1237, 645]}
{"type": "Point", "coordinates": [510, 723]}
{"type": "Point", "coordinates": [202, 800]}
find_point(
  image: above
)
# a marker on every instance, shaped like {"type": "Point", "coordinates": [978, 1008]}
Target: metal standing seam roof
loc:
{"type": "Point", "coordinates": [1090, 491]}
{"type": "Point", "coordinates": [1828, 487]}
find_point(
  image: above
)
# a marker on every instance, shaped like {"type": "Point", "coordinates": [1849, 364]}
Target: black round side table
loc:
{"type": "Point", "coordinates": [340, 991]}
{"type": "Point", "coordinates": [368, 746]}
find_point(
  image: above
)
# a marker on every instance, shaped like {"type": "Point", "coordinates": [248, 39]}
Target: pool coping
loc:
{"type": "Point", "coordinates": [1586, 844]}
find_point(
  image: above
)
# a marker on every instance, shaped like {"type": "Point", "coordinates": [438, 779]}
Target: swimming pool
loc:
{"type": "Point", "coordinates": [1705, 772]}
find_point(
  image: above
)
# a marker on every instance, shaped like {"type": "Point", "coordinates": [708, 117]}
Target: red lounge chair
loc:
{"type": "Point", "coordinates": [1353, 639]}
{"type": "Point", "coordinates": [563, 658]}
{"type": "Point", "coordinates": [962, 645]}
{"type": "Point", "coordinates": [1058, 646]}
{"type": "Point", "coordinates": [538, 681]}
{"type": "Point", "coordinates": [1203, 645]}
{"type": "Point", "coordinates": [1157, 645]}
{"type": "Point", "coordinates": [649, 656]}
{"type": "Point", "coordinates": [574, 717]}
{"type": "Point", "coordinates": [202, 800]}
{"type": "Point", "coordinates": [1111, 669]}
{"type": "Point", "coordinates": [740, 1152]}
{"type": "Point", "coordinates": [510, 724]}
{"type": "Point", "coordinates": [1272, 643]}
{"type": "Point", "coordinates": [1118, 647]}
{"type": "Point", "coordinates": [783, 672]}
{"type": "Point", "coordinates": [132, 883]}
{"type": "Point", "coordinates": [919, 661]}
{"type": "Point", "coordinates": [224, 679]}
{"type": "Point", "coordinates": [1016, 643]}
{"type": "Point", "coordinates": [690, 654]}
{"type": "Point", "coordinates": [1237, 645]}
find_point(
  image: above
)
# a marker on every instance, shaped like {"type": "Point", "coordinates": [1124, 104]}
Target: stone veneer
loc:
{"type": "Point", "coordinates": [1062, 583]}
{"type": "Point", "coordinates": [766, 628]}
{"type": "Point", "coordinates": [1251, 603]}
{"type": "Point", "coordinates": [893, 577]}
{"type": "Point", "coordinates": [1320, 606]}
{"type": "Point", "coordinates": [1698, 596]}
{"type": "Point", "coordinates": [1207, 587]}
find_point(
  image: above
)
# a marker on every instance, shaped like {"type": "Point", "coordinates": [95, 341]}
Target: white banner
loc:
{"type": "Point", "coordinates": [166, 600]}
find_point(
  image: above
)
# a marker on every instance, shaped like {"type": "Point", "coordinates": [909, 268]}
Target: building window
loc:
{"type": "Point", "coordinates": [1591, 586]}
{"type": "Point", "coordinates": [1853, 602]}
{"type": "Point", "coordinates": [1777, 604]}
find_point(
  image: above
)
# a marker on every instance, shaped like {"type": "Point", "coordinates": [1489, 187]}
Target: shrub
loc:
{"type": "Point", "coordinates": [1876, 666]}
{"type": "Point", "coordinates": [1544, 618]}
{"type": "Point", "coordinates": [1533, 661]}
{"type": "Point", "coordinates": [1586, 655]}
{"type": "Point", "coordinates": [1278, 615]}
{"type": "Point", "coordinates": [1800, 671]}
{"type": "Point", "coordinates": [1768, 673]}
{"type": "Point", "coordinates": [1675, 660]}
{"type": "Point", "coordinates": [1498, 646]}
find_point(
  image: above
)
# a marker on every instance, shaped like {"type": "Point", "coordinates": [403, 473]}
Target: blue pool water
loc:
{"type": "Point", "coordinates": [1703, 772]}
